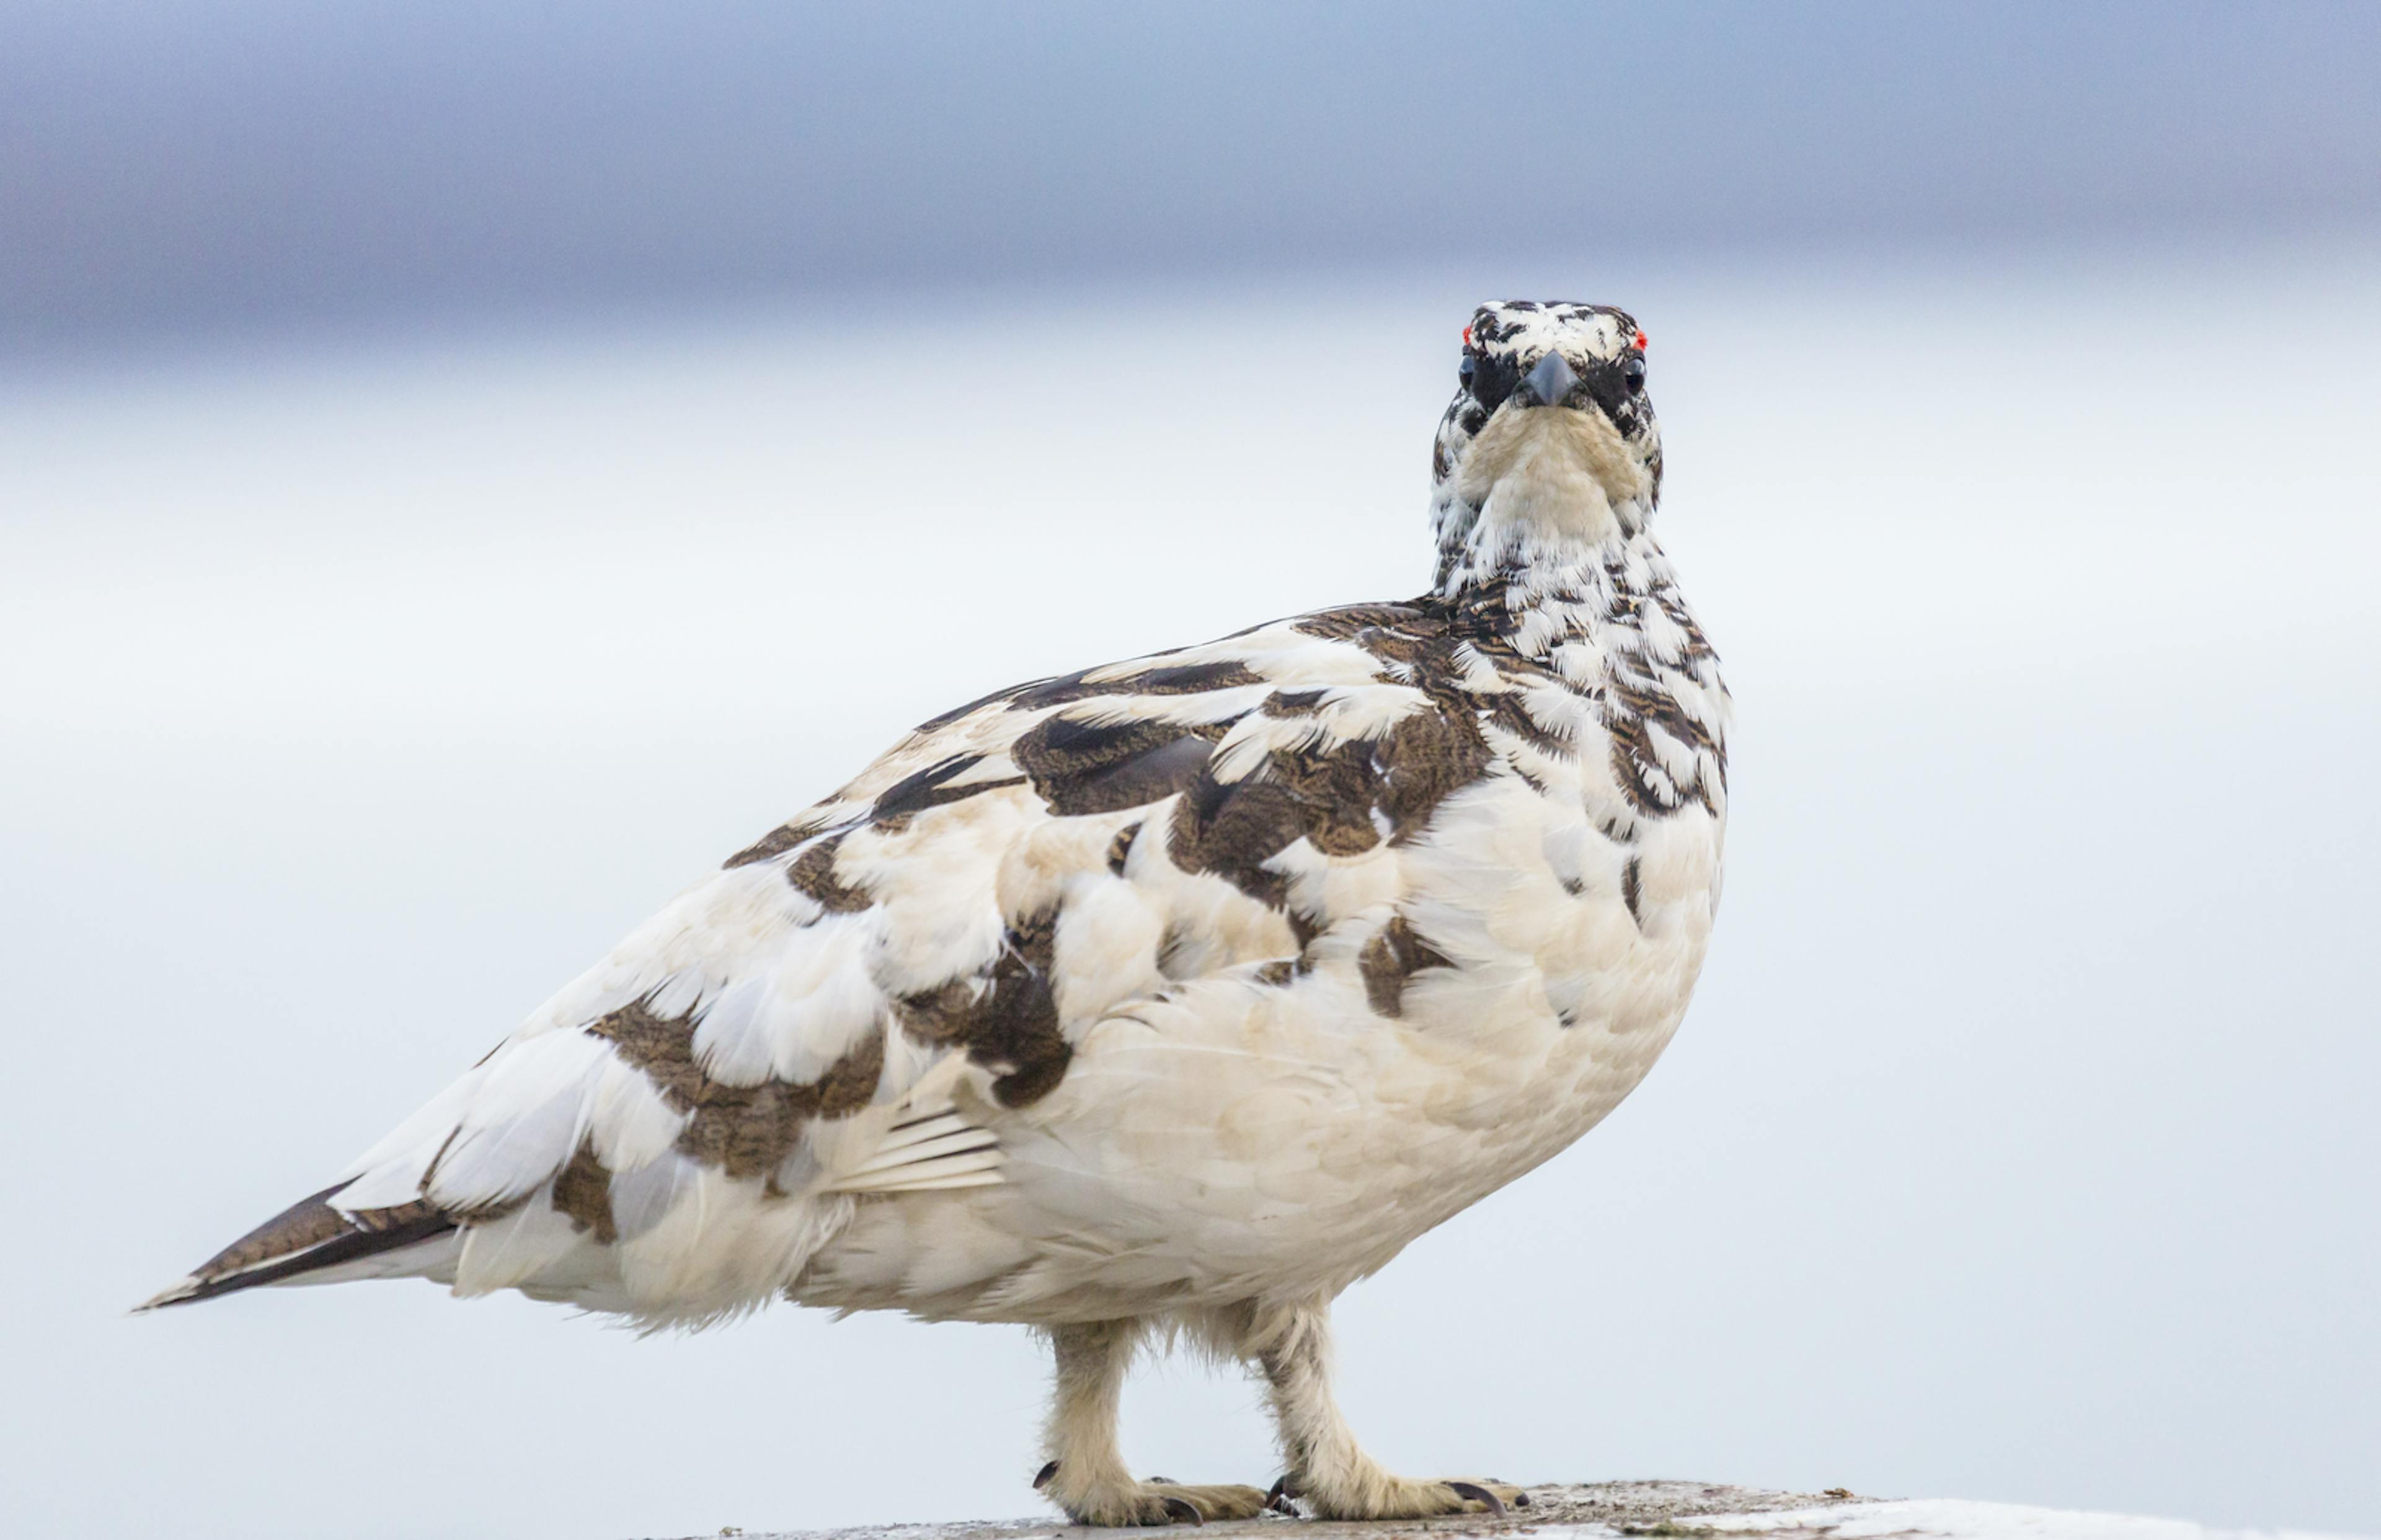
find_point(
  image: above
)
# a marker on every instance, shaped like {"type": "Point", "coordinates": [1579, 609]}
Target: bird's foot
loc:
{"type": "Point", "coordinates": [1156, 1501]}
{"type": "Point", "coordinates": [1386, 1496]}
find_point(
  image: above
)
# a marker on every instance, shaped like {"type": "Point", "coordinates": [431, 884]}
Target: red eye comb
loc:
{"type": "Point", "coordinates": [1641, 339]}
{"type": "Point", "coordinates": [1467, 337]}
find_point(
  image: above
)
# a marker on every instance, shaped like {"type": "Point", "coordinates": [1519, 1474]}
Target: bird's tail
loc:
{"type": "Point", "coordinates": [313, 1242]}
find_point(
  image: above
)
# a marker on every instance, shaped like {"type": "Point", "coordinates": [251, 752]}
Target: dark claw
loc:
{"type": "Point", "coordinates": [1477, 1493]}
{"type": "Point", "coordinates": [1182, 1509]}
{"type": "Point", "coordinates": [1278, 1499]}
{"type": "Point", "coordinates": [1044, 1479]}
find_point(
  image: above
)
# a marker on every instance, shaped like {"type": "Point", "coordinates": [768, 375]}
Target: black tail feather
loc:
{"type": "Point", "coordinates": [307, 1235]}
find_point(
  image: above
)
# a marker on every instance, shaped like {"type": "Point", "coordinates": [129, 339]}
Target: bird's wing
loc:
{"type": "Point", "coordinates": [831, 1012]}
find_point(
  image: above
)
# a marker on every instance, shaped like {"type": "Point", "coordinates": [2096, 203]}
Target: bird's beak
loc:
{"type": "Point", "coordinates": [1550, 381]}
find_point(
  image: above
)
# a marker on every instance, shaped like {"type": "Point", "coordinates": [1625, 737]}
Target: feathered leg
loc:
{"type": "Point", "coordinates": [1086, 1474]}
{"type": "Point", "coordinates": [1327, 1470]}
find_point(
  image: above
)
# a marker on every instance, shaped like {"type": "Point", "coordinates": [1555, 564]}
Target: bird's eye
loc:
{"type": "Point", "coordinates": [1633, 374]}
{"type": "Point", "coordinates": [1463, 371]}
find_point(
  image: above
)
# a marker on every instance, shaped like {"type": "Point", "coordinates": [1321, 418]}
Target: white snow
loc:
{"type": "Point", "coordinates": [1954, 1519]}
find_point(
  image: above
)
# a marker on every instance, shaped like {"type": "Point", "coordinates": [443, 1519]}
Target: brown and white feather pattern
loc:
{"type": "Point", "coordinates": [1213, 975]}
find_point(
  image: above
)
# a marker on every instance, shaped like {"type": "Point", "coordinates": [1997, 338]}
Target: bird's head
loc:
{"type": "Point", "coordinates": [1550, 438]}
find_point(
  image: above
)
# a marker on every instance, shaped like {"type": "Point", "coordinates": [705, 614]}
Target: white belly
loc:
{"type": "Point", "coordinates": [1242, 1138]}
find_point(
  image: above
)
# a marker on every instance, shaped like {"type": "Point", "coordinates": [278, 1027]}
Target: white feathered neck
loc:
{"type": "Point", "coordinates": [1539, 499]}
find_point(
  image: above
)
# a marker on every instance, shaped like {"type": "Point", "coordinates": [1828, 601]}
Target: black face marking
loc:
{"type": "Point", "coordinates": [1493, 377]}
{"type": "Point", "coordinates": [1618, 395]}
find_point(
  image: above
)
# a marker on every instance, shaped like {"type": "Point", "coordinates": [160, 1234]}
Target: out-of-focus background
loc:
{"type": "Point", "coordinates": [467, 468]}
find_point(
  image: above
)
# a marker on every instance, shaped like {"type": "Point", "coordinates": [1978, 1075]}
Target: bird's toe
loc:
{"type": "Point", "coordinates": [1489, 1497]}
{"type": "Point", "coordinates": [1223, 1502]}
{"type": "Point", "coordinates": [1158, 1501]}
{"type": "Point", "coordinates": [1398, 1497]}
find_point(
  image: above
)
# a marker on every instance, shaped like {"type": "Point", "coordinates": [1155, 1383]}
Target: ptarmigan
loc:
{"type": "Point", "coordinates": [1177, 993]}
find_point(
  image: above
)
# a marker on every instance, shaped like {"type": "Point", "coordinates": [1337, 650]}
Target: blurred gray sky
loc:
{"type": "Point", "coordinates": [244, 164]}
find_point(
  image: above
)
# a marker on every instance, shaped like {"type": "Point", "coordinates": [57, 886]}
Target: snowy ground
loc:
{"type": "Point", "coordinates": [1951, 1518]}
{"type": "Point", "coordinates": [2020, 1142]}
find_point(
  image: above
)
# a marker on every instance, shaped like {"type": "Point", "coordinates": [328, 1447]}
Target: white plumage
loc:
{"type": "Point", "coordinates": [1180, 992]}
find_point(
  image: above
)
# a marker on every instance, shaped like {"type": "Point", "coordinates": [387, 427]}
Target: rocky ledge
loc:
{"type": "Point", "coordinates": [1673, 1509]}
